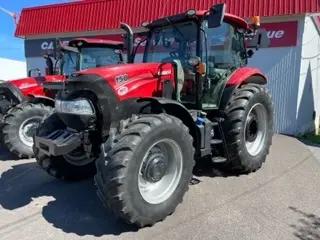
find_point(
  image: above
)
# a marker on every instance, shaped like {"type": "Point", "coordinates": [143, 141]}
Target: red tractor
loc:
{"type": "Point", "coordinates": [24, 102]}
{"type": "Point", "coordinates": [141, 127]}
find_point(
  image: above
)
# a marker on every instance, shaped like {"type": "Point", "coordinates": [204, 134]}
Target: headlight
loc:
{"type": "Point", "coordinates": [76, 106]}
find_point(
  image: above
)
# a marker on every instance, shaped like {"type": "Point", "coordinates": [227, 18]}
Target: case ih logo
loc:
{"type": "Point", "coordinates": [48, 46]}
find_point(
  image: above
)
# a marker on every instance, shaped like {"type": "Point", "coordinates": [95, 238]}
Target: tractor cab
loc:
{"type": "Point", "coordinates": [84, 53]}
{"type": "Point", "coordinates": [80, 54]}
{"type": "Point", "coordinates": [205, 47]}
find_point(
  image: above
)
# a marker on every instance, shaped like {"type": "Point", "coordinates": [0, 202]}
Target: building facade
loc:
{"type": "Point", "coordinates": [291, 62]}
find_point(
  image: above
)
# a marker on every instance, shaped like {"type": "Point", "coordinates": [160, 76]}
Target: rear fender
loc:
{"type": "Point", "coordinates": [41, 99]}
{"type": "Point", "coordinates": [246, 75]}
{"type": "Point", "coordinates": [176, 109]}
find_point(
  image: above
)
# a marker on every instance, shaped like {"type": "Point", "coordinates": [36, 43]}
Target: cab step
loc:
{"type": "Point", "coordinates": [216, 141]}
{"type": "Point", "coordinates": [218, 159]}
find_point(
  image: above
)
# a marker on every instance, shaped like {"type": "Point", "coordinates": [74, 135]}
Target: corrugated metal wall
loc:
{"type": "Point", "coordinates": [106, 14]}
{"type": "Point", "coordinates": [282, 67]}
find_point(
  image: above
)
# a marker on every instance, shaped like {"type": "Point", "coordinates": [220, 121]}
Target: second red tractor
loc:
{"type": "Point", "coordinates": [24, 102]}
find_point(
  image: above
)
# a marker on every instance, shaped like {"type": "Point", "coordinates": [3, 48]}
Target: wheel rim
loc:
{"type": "Point", "coordinates": [160, 171]}
{"type": "Point", "coordinates": [28, 129]}
{"type": "Point", "coordinates": [256, 129]}
{"type": "Point", "coordinates": [77, 157]}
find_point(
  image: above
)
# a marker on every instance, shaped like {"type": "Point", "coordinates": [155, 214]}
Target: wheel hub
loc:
{"type": "Point", "coordinates": [28, 129]}
{"type": "Point", "coordinates": [255, 129]}
{"type": "Point", "coordinates": [252, 129]}
{"type": "Point", "coordinates": [160, 171]}
{"type": "Point", "coordinates": [155, 168]}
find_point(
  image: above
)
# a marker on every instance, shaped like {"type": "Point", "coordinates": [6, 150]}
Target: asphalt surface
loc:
{"type": "Point", "coordinates": [280, 201]}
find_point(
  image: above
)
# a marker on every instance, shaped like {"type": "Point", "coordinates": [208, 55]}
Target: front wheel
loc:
{"type": "Point", "coordinates": [19, 125]}
{"type": "Point", "coordinates": [248, 128]}
{"type": "Point", "coordinates": [74, 166]}
{"type": "Point", "coordinates": [147, 170]}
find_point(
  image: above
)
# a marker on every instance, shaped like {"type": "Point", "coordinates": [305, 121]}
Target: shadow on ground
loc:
{"type": "Point", "coordinates": [308, 226]}
{"type": "Point", "coordinates": [205, 168]}
{"type": "Point", "coordinates": [309, 143]}
{"type": "Point", "coordinates": [76, 208]}
{"type": "Point", "coordinates": [5, 155]}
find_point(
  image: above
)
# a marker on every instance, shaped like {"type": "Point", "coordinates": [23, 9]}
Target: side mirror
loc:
{"type": "Point", "coordinates": [260, 40]}
{"type": "Point", "coordinates": [34, 72]}
{"type": "Point", "coordinates": [216, 15]}
{"type": "Point", "coordinates": [250, 53]}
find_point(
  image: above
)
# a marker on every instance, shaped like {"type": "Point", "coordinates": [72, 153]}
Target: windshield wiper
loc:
{"type": "Point", "coordinates": [175, 28]}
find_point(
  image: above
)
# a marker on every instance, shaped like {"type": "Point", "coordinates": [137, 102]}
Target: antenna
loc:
{"type": "Point", "coordinates": [14, 15]}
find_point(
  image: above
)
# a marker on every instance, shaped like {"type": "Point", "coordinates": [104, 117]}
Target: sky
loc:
{"type": "Point", "coordinates": [10, 46]}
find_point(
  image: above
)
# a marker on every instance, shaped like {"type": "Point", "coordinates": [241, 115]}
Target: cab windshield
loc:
{"type": "Point", "coordinates": [89, 57]}
{"type": "Point", "coordinates": [172, 42]}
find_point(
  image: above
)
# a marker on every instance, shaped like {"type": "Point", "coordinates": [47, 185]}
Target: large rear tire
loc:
{"type": "Point", "coordinates": [19, 125]}
{"type": "Point", "coordinates": [248, 128]}
{"type": "Point", "coordinates": [74, 166]}
{"type": "Point", "coordinates": [147, 169]}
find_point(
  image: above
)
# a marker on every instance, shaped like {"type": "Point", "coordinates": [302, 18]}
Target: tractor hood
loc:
{"type": "Point", "coordinates": [33, 81]}
{"type": "Point", "coordinates": [32, 85]}
{"type": "Point", "coordinates": [123, 74]}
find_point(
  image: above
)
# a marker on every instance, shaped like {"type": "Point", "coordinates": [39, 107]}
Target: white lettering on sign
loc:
{"type": "Point", "coordinates": [46, 45]}
{"type": "Point", "coordinates": [275, 34]}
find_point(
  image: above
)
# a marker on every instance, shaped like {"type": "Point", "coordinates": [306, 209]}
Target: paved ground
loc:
{"type": "Point", "coordinates": [281, 201]}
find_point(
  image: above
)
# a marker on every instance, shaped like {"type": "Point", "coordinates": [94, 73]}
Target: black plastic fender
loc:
{"type": "Point", "coordinates": [12, 92]}
{"type": "Point", "coordinates": [41, 99]}
{"type": "Point", "coordinates": [178, 110]}
{"type": "Point", "coordinates": [230, 89]}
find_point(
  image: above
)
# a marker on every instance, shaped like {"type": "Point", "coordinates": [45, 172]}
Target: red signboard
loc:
{"type": "Point", "coordinates": [282, 34]}
{"type": "Point", "coordinates": [316, 20]}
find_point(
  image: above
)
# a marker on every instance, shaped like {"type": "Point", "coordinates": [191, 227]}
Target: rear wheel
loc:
{"type": "Point", "coordinates": [147, 170]}
{"type": "Point", "coordinates": [74, 166]}
{"type": "Point", "coordinates": [248, 128]}
{"type": "Point", "coordinates": [19, 125]}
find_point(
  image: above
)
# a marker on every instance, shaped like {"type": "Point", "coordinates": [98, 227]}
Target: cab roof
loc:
{"type": "Point", "coordinates": [235, 20]}
{"type": "Point", "coordinates": [96, 41]}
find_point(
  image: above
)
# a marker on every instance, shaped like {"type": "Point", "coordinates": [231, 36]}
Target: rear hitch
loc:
{"type": "Point", "coordinates": [59, 142]}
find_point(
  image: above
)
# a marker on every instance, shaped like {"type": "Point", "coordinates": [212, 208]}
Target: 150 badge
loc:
{"type": "Point", "coordinates": [121, 78]}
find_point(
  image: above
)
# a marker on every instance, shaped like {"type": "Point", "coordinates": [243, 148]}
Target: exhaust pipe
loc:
{"type": "Point", "coordinates": [129, 40]}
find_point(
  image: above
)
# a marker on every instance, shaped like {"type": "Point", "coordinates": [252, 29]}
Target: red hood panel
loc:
{"type": "Point", "coordinates": [33, 85]}
{"type": "Point", "coordinates": [34, 81]}
{"type": "Point", "coordinates": [134, 80]}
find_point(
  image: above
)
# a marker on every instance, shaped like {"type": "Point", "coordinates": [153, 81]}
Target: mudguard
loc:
{"type": "Point", "coordinates": [41, 99]}
{"type": "Point", "coordinates": [13, 92]}
{"type": "Point", "coordinates": [178, 110]}
{"type": "Point", "coordinates": [242, 75]}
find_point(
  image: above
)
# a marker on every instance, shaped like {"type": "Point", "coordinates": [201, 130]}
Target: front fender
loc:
{"type": "Point", "coordinates": [41, 99]}
{"type": "Point", "coordinates": [178, 110]}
